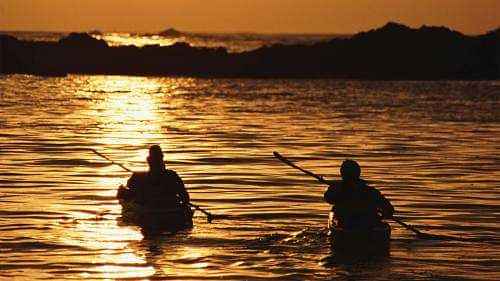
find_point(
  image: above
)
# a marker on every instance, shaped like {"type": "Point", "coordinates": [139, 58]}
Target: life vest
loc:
{"type": "Point", "coordinates": [157, 191]}
{"type": "Point", "coordinates": [355, 207]}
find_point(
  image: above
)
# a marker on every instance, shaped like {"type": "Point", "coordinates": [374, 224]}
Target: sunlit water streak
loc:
{"type": "Point", "coordinates": [431, 147]}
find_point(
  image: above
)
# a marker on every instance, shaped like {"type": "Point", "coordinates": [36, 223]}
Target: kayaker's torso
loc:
{"type": "Point", "coordinates": [357, 205]}
{"type": "Point", "coordinates": [158, 190]}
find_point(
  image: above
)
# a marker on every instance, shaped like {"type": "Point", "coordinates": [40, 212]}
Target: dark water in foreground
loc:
{"type": "Point", "coordinates": [431, 147]}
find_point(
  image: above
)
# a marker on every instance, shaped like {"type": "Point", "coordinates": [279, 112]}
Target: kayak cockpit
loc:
{"type": "Point", "coordinates": [372, 240]}
{"type": "Point", "coordinates": [164, 219]}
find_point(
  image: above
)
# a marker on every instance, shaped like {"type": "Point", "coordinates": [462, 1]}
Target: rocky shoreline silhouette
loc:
{"type": "Point", "coordinates": [392, 52]}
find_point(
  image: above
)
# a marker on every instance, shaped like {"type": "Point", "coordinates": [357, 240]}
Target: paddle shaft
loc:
{"type": "Point", "coordinates": [110, 160]}
{"type": "Point", "coordinates": [407, 226]}
{"type": "Point", "coordinates": [322, 180]}
{"type": "Point", "coordinates": [209, 216]}
{"type": "Point", "coordinates": [291, 164]}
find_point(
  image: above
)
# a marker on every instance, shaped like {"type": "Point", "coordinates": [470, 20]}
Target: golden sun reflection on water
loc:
{"type": "Point", "coordinates": [186, 260]}
{"type": "Point", "coordinates": [120, 39]}
{"type": "Point", "coordinates": [111, 272]}
{"type": "Point", "coordinates": [128, 117]}
{"type": "Point", "coordinates": [127, 112]}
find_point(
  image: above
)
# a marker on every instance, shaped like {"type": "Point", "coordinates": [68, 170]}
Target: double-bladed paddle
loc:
{"type": "Point", "coordinates": [398, 220]}
{"type": "Point", "coordinates": [209, 215]}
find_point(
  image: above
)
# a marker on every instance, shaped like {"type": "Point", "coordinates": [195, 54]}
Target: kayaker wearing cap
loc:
{"type": "Point", "coordinates": [157, 188]}
{"type": "Point", "coordinates": [355, 203]}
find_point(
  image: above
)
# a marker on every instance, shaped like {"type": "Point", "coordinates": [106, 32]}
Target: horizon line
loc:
{"type": "Point", "coordinates": [242, 31]}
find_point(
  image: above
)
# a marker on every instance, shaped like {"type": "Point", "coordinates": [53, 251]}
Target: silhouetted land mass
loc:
{"type": "Point", "coordinates": [170, 32]}
{"type": "Point", "coordinates": [393, 52]}
{"type": "Point", "coordinates": [95, 32]}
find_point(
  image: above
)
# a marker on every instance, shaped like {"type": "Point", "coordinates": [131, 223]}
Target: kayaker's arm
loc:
{"type": "Point", "coordinates": [182, 193]}
{"type": "Point", "coordinates": [333, 192]}
{"type": "Point", "coordinates": [132, 182]}
{"type": "Point", "coordinates": [385, 206]}
{"type": "Point", "coordinates": [123, 193]}
{"type": "Point", "coordinates": [133, 185]}
{"type": "Point", "coordinates": [330, 195]}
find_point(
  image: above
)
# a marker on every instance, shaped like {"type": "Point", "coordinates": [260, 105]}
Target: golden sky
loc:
{"type": "Point", "coordinates": [265, 16]}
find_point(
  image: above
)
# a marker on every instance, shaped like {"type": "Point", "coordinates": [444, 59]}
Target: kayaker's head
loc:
{"type": "Point", "coordinates": [155, 159]}
{"type": "Point", "coordinates": [350, 170]}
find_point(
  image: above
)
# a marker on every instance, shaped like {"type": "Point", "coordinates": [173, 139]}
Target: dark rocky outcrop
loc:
{"type": "Point", "coordinates": [392, 52]}
{"type": "Point", "coordinates": [82, 40]}
{"type": "Point", "coordinates": [171, 32]}
{"type": "Point", "coordinates": [95, 32]}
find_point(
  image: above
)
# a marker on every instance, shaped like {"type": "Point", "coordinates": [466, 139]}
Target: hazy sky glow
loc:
{"type": "Point", "coordinates": [266, 16]}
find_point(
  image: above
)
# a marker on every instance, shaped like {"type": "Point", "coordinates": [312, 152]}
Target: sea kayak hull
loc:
{"type": "Point", "coordinates": [158, 219]}
{"type": "Point", "coordinates": [365, 241]}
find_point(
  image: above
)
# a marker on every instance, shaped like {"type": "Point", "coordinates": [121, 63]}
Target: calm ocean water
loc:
{"type": "Point", "coordinates": [431, 147]}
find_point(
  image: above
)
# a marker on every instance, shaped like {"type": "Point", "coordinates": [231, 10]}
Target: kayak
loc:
{"type": "Point", "coordinates": [158, 219]}
{"type": "Point", "coordinates": [359, 241]}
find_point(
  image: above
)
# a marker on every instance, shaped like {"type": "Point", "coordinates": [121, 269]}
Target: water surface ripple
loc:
{"type": "Point", "coordinates": [431, 147]}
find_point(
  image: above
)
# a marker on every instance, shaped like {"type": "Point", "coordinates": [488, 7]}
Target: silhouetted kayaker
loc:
{"type": "Point", "coordinates": [355, 203]}
{"type": "Point", "coordinates": [157, 188]}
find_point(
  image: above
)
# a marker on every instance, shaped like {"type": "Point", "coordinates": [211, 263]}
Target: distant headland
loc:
{"type": "Point", "coordinates": [171, 32]}
{"type": "Point", "coordinates": [392, 52]}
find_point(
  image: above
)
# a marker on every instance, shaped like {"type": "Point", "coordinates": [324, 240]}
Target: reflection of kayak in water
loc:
{"type": "Point", "coordinates": [370, 241]}
{"type": "Point", "coordinates": [168, 218]}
